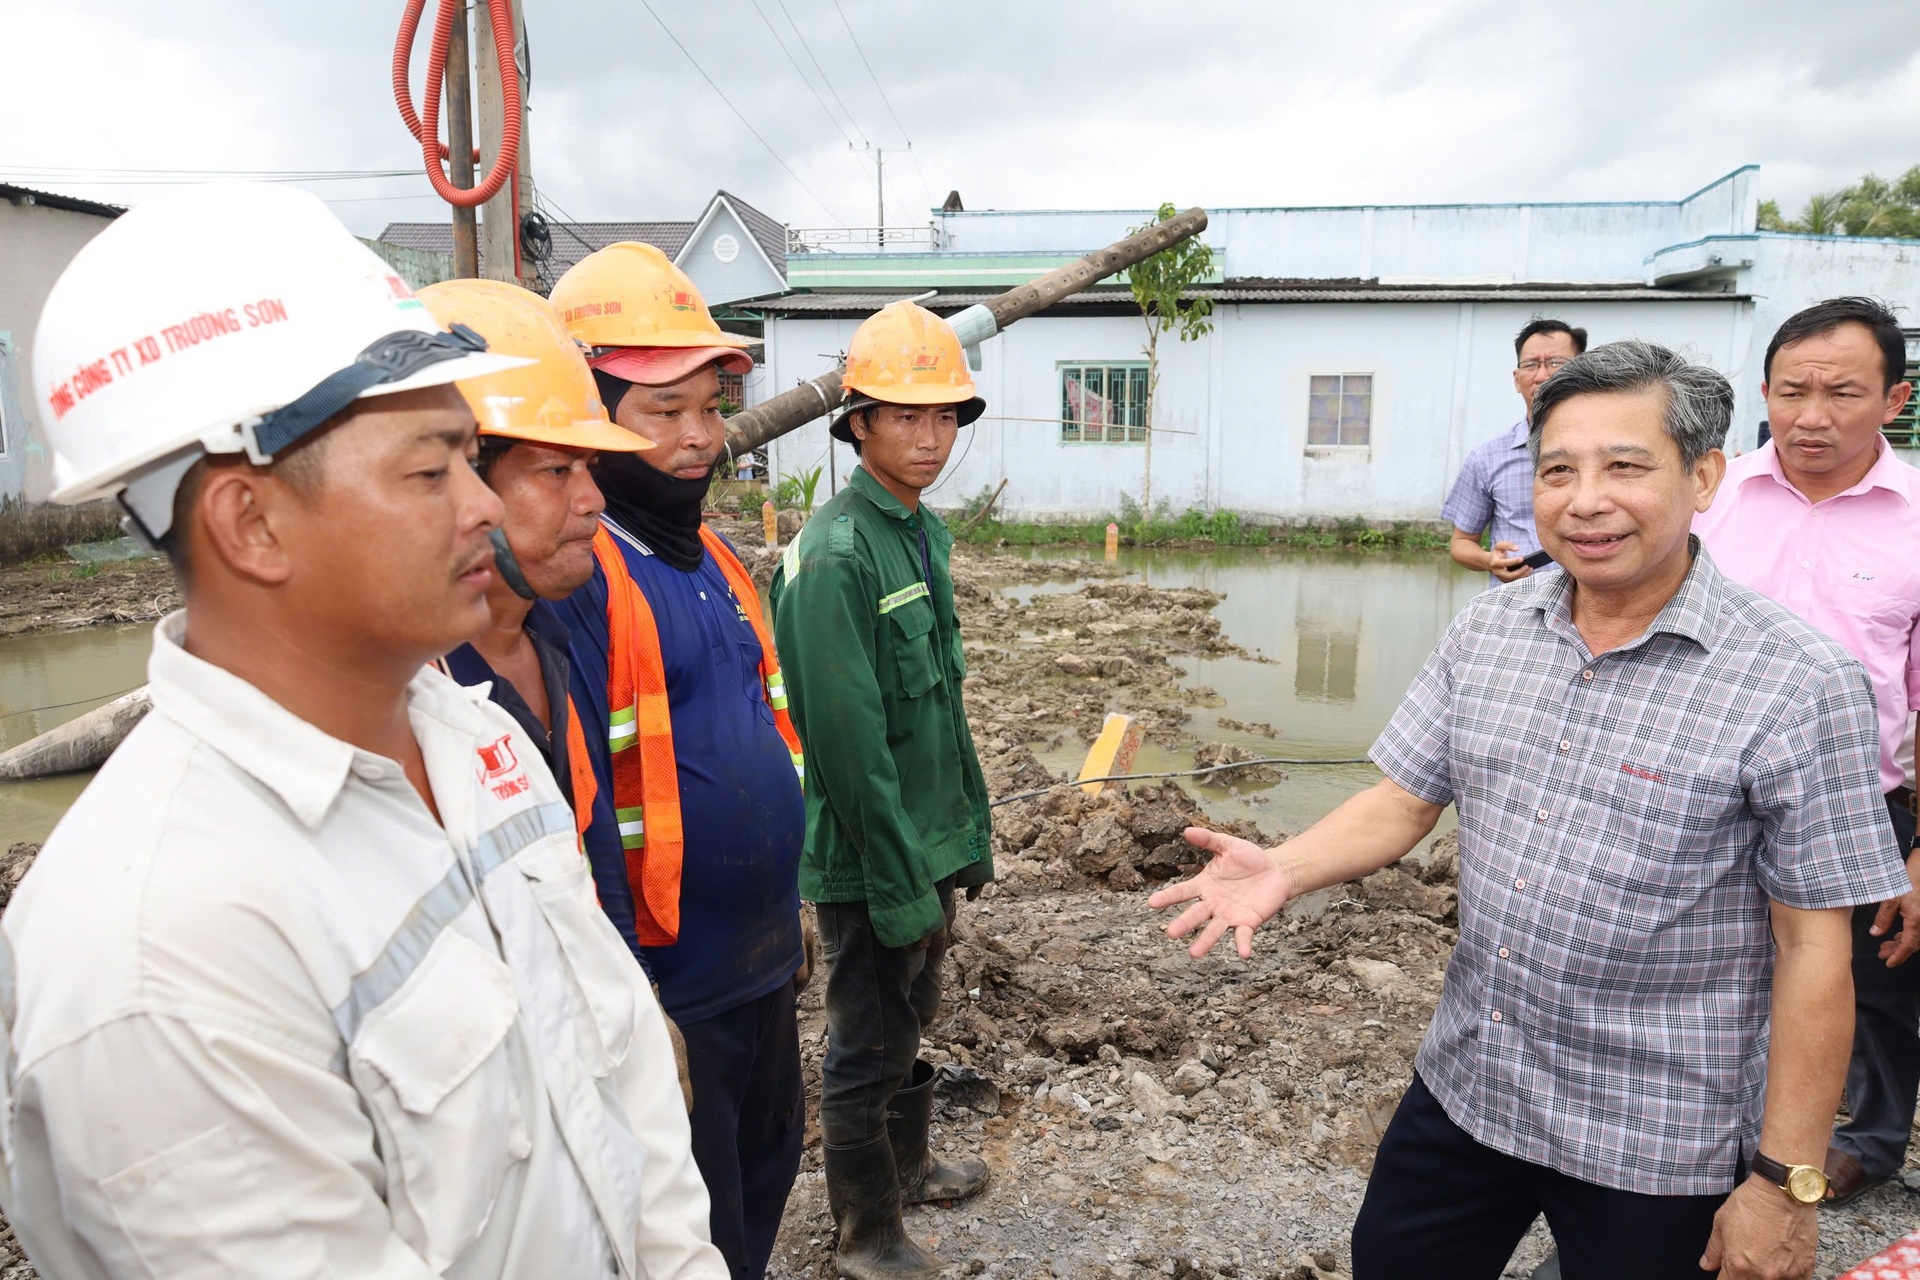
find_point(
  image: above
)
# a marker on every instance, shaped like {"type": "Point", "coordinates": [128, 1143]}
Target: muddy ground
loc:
{"type": "Point", "coordinates": [60, 595]}
{"type": "Point", "coordinates": [1156, 1116]}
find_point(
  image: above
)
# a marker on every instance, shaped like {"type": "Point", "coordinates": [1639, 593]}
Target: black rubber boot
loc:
{"type": "Point", "coordinates": [925, 1179]}
{"type": "Point", "coordinates": [863, 1190]}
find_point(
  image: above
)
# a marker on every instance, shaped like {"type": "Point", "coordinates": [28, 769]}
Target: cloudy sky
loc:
{"type": "Point", "coordinates": [1016, 103]}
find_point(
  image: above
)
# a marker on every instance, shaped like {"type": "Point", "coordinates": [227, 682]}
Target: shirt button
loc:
{"type": "Point", "coordinates": [1586, 675]}
{"type": "Point", "coordinates": [1806, 564]}
{"type": "Point", "coordinates": [1503, 953]}
{"type": "Point", "coordinates": [1496, 1015]}
{"type": "Point", "coordinates": [1565, 745]}
{"type": "Point", "coordinates": [368, 771]}
{"type": "Point", "coordinates": [1542, 815]}
{"type": "Point", "coordinates": [1521, 883]}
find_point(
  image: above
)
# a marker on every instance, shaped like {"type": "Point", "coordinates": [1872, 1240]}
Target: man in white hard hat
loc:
{"type": "Point", "coordinates": [311, 980]}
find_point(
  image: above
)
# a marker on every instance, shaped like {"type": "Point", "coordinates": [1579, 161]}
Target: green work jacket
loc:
{"type": "Point", "coordinates": [864, 622]}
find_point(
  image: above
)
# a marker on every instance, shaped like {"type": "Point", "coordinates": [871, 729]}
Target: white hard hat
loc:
{"type": "Point", "coordinates": [223, 319]}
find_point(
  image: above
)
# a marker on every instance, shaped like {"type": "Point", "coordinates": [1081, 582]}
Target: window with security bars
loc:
{"type": "Point", "coordinates": [1904, 431]}
{"type": "Point", "coordinates": [1103, 403]}
{"type": "Point", "coordinates": [1339, 409]}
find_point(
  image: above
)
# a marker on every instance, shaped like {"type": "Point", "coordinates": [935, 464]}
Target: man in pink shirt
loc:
{"type": "Point", "coordinates": [1826, 521]}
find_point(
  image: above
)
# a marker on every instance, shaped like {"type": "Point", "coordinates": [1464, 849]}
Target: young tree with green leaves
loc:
{"type": "Point", "coordinates": [1159, 284]}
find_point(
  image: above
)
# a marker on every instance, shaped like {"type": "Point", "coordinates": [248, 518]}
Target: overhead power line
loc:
{"type": "Point", "coordinates": [824, 77]}
{"type": "Point", "coordinates": [143, 177]}
{"type": "Point", "coordinates": [738, 113]}
{"type": "Point", "coordinates": [775, 33]}
{"type": "Point", "coordinates": [886, 101]}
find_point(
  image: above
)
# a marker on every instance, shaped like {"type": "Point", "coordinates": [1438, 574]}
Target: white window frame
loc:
{"type": "Point", "coordinates": [1136, 433]}
{"type": "Point", "coordinates": [1372, 393]}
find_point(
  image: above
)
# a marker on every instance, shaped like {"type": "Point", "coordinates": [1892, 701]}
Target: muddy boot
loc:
{"type": "Point", "coordinates": [924, 1179]}
{"type": "Point", "coordinates": [864, 1193]}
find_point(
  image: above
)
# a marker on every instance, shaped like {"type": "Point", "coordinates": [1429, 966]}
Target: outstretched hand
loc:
{"type": "Point", "coordinates": [1241, 889]}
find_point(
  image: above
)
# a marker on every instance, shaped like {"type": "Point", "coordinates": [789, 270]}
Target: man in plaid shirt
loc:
{"type": "Point", "coordinates": [1669, 801]}
{"type": "Point", "coordinates": [1493, 494]}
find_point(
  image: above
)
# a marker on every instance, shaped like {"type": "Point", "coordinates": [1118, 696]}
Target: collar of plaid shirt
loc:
{"type": "Point", "coordinates": [1624, 821]}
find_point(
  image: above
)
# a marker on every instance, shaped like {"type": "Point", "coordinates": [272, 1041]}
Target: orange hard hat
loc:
{"type": "Point", "coordinates": [642, 318]}
{"type": "Point", "coordinates": [551, 401]}
{"type": "Point", "coordinates": [905, 354]}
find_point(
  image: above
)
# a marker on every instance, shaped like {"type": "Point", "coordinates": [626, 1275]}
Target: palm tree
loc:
{"type": "Point", "coordinates": [1822, 215]}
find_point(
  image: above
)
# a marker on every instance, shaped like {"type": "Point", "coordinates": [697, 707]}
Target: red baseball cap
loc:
{"type": "Point", "coordinates": [658, 366]}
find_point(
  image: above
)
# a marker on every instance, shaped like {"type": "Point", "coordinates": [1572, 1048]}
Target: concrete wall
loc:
{"type": "Point", "coordinates": [1490, 243]}
{"type": "Point", "coordinates": [418, 267]}
{"type": "Point", "coordinates": [14, 390]}
{"type": "Point", "coordinates": [36, 243]}
{"type": "Point", "coordinates": [1442, 384]}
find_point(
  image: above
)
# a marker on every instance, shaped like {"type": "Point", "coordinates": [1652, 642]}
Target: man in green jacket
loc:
{"type": "Point", "coordinates": [896, 805]}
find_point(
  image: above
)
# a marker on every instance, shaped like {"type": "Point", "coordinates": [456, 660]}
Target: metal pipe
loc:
{"type": "Point", "coordinates": [789, 410]}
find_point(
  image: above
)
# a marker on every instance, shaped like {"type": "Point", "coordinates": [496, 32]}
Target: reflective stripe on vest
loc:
{"type": "Point", "coordinates": [646, 782]}
{"type": "Point", "coordinates": [905, 595]}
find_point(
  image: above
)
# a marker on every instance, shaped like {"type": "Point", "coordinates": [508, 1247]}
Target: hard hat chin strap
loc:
{"type": "Point", "coordinates": [394, 358]}
{"type": "Point", "coordinates": [147, 498]}
{"type": "Point", "coordinates": [508, 565]}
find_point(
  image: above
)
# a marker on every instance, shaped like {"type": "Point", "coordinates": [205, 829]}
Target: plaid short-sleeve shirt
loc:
{"type": "Point", "coordinates": [1624, 820]}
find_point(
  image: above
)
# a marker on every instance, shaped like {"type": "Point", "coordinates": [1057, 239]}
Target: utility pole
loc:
{"type": "Point", "coordinates": [880, 188]}
{"type": "Point", "coordinates": [500, 222]}
{"type": "Point", "coordinates": [466, 249]}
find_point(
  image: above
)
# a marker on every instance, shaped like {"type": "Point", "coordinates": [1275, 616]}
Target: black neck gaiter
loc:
{"type": "Point", "coordinates": [662, 511]}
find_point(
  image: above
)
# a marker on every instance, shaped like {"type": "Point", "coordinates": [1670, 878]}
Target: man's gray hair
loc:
{"type": "Point", "coordinates": [1699, 401]}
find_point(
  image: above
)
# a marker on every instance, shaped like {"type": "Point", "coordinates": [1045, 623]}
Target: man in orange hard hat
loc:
{"type": "Point", "coordinates": [897, 816]}
{"type": "Point", "coordinates": [675, 666]}
{"type": "Point", "coordinates": [311, 980]}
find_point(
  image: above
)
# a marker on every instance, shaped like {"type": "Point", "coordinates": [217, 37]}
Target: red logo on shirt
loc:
{"type": "Point", "coordinates": [1648, 774]}
{"type": "Point", "coordinates": [497, 759]}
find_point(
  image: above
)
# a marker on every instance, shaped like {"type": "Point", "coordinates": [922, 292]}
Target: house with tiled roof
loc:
{"type": "Point", "coordinates": [732, 251]}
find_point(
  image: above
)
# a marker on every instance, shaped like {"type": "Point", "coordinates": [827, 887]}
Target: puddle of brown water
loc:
{"type": "Point", "coordinates": [1336, 639]}
{"type": "Point", "coordinates": [45, 681]}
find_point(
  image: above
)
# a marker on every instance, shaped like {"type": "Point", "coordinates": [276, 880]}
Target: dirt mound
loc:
{"type": "Point", "coordinates": [1215, 755]}
{"type": "Point", "coordinates": [60, 595]}
{"type": "Point", "coordinates": [13, 866]}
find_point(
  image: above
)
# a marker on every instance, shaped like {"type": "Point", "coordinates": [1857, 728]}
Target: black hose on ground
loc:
{"type": "Point", "coordinates": [1171, 773]}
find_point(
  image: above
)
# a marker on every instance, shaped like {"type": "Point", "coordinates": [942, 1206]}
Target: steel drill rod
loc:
{"type": "Point", "coordinates": [774, 418]}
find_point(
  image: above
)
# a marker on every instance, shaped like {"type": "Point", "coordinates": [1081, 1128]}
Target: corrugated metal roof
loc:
{"type": "Point", "coordinates": [864, 302]}
{"type": "Point", "coordinates": [54, 200]}
{"type": "Point", "coordinates": [572, 241]}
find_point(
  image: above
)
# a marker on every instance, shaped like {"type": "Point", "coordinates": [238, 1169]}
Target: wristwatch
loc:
{"type": "Point", "coordinates": [1803, 1182]}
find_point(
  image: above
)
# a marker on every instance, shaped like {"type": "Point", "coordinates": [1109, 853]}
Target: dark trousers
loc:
{"type": "Point", "coordinates": [879, 1000]}
{"type": "Point", "coordinates": [1443, 1207]}
{"type": "Point", "coordinates": [748, 1122]}
{"type": "Point", "coordinates": [1884, 1074]}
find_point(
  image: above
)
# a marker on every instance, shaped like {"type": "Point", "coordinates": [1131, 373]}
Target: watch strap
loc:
{"type": "Point", "coordinates": [1770, 1169]}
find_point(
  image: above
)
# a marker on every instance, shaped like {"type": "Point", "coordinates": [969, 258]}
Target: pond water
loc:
{"type": "Point", "coordinates": [1339, 636]}
{"type": "Point", "coordinates": [45, 681]}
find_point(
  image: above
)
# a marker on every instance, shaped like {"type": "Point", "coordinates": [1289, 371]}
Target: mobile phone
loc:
{"type": "Point", "coordinates": [1538, 560]}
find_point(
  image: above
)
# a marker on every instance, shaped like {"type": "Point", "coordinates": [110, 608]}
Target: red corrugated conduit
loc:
{"type": "Point", "coordinates": [426, 127]}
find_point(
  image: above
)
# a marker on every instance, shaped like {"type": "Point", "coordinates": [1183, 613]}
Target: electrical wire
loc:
{"type": "Point", "coordinates": [1171, 773]}
{"type": "Point", "coordinates": [925, 189]}
{"type": "Point", "coordinates": [77, 702]}
{"type": "Point", "coordinates": [712, 84]}
{"type": "Point", "coordinates": [104, 177]}
{"type": "Point", "coordinates": [774, 32]}
{"type": "Point", "coordinates": [824, 77]}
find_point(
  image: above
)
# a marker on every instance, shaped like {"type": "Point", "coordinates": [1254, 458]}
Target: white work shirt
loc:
{"type": "Point", "coordinates": [261, 1023]}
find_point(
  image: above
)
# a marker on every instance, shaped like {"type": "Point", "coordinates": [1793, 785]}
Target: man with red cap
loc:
{"type": "Point", "coordinates": [674, 663]}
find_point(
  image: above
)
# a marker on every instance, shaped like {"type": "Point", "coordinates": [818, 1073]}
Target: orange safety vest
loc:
{"type": "Point", "coordinates": [646, 781]}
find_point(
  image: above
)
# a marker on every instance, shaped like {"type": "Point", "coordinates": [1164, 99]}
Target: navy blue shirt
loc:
{"type": "Point", "coordinates": [550, 639]}
{"type": "Point", "coordinates": [740, 803]}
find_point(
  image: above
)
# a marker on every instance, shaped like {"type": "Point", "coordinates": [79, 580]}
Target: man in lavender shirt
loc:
{"type": "Point", "coordinates": [1495, 485]}
{"type": "Point", "coordinates": [1826, 521]}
